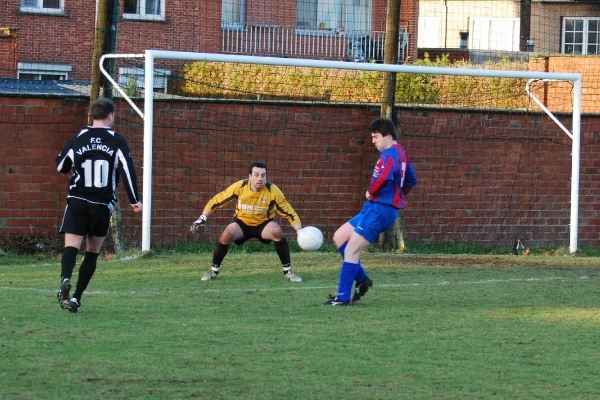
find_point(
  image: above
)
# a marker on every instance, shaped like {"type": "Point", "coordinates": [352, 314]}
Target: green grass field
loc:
{"type": "Point", "coordinates": [432, 327]}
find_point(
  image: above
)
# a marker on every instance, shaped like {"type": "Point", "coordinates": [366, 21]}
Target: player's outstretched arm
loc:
{"type": "Point", "coordinates": [200, 222]}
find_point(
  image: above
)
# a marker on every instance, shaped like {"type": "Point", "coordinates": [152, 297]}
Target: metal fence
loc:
{"type": "Point", "coordinates": [291, 41]}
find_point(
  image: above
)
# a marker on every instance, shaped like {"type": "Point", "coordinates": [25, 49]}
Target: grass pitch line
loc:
{"type": "Point", "coordinates": [299, 287]}
{"type": "Point", "coordinates": [487, 281]}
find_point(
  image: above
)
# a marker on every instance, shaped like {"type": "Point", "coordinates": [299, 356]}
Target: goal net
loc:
{"type": "Point", "coordinates": [495, 146]}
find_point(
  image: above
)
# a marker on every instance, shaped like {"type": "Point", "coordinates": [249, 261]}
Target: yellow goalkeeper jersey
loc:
{"type": "Point", "coordinates": [254, 208]}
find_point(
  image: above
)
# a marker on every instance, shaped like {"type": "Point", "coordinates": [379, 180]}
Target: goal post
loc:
{"type": "Point", "coordinates": [151, 56]}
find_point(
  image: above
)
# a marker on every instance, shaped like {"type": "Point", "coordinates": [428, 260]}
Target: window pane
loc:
{"type": "Point", "coordinates": [464, 40]}
{"type": "Point", "coordinates": [153, 7]}
{"type": "Point", "coordinates": [52, 77]}
{"type": "Point", "coordinates": [592, 49]}
{"type": "Point", "coordinates": [306, 13]}
{"type": "Point", "coordinates": [569, 25]}
{"type": "Point", "coordinates": [569, 37]}
{"type": "Point", "coordinates": [329, 14]}
{"type": "Point", "coordinates": [578, 37]}
{"type": "Point", "coordinates": [131, 7]}
{"type": "Point", "coordinates": [51, 4]}
{"type": "Point", "coordinates": [579, 25]}
{"type": "Point", "coordinates": [356, 15]}
{"type": "Point", "coordinates": [27, 76]}
{"type": "Point", "coordinates": [578, 49]}
{"type": "Point", "coordinates": [231, 10]}
{"type": "Point", "coordinates": [592, 38]}
{"type": "Point", "coordinates": [593, 25]}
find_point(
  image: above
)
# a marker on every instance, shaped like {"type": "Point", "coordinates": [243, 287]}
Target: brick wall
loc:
{"type": "Point", "coordinates": [484, 177]}
{"type": "Point", "coordinates": [32, 129]}
{"type": "Point", "coordinates": [553, 94]}
{"type": "Point", "coordinates": [8, 52]}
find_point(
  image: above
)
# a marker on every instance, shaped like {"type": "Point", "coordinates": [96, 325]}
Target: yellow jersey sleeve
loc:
{"type": "Point", "coordinates": [225, 197]}
{"type": "Point", "coordinates": [254, 208]}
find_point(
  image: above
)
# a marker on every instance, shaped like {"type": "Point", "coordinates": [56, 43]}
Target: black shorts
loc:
{"type": "Point", "coordinates": [251, 232]}
{"type": "Point", "coordinates": [84, 218]}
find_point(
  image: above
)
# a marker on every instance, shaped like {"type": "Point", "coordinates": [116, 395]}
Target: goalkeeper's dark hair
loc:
{"type": "Point", "coordinates": [384, 126]}
{"type": "Point", "coordinates": [257, 164]}
{"type": "Point", "coordinates": [101, 108]}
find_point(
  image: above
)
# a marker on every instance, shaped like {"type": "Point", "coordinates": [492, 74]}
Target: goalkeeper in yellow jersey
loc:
{"type": "Point", "coordinates": [256, 201]}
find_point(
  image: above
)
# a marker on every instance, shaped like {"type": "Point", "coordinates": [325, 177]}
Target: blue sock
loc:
{"type": "Point", "coordinates": [342, 249]}
{"type": "Point", "coordinates": [347, 276]}
{"type": "Point", "coordinates": [361, 275]}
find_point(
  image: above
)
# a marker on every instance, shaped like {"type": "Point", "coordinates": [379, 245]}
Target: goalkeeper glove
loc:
{"type": "Point", "coordinates": [198, 223]}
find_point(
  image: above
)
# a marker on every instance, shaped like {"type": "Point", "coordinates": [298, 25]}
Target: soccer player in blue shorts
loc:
{"type": "Point", "coordinates": [393, 177]}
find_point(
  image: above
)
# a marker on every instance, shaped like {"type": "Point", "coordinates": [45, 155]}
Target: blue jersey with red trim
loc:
{"type": "Point", "coordinates": [392, 173]}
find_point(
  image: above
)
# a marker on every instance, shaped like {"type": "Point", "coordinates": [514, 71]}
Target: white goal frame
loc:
{"type": "Point", "coordinates": [148, 115]}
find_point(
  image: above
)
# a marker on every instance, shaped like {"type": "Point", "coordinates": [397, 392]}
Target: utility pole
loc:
{"type": "Point", "coordinates": [525, 25]}
{"type": "Point", "coordinates": [102, 24]}
{"type": "Point", "coordinates": [105, 29]}
{"type": "Point", "coordinates": [393, 237]}
{"type": "Point", "coordinates": [390, 56]}
{"type": "Point", "coordinates": [112, 47]}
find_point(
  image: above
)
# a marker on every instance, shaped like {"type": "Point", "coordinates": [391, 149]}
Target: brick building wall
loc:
{"type": "Point", "coordinates": [546, 20]}
{"type": "Point", "coordinates": [8, 52]}
{"type": "Point", "coordinates": [188, 26]}
{"type": "Point", "coordinates": [484, 177]}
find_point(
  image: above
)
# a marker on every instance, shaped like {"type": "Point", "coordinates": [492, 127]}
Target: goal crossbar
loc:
{"type": "Point", "coordinates": [147, 114]}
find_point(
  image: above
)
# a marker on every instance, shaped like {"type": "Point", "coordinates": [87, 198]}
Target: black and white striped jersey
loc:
{"type": "Point", "coordinates": [99, 156]}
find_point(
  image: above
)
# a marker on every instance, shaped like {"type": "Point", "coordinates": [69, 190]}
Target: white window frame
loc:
{"type": "Point", "coordinates": [232, 18]}
{"type": "Point", "coordinates": [160, 77]}
{"type": "Point", "coordinates": [39, 69]}
{"type": "Point", "coordinates": [39, 7]}
{"type": "Point", "coordinates": [142, 14]}
{"type": "Point", "coordinates": [585, 35]}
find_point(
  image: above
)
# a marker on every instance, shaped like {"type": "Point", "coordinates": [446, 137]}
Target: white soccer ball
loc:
{"type": "Point", "coordinates": [310, 238]}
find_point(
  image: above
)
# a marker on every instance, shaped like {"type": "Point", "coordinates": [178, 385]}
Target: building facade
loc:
{"type": "Point", "coordinates": [547, 26]}
{"type": "Point", "coordinates": [54, 39]}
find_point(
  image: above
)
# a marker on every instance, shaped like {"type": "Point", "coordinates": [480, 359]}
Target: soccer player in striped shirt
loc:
{"type": "Point", "coordinates": [94, 160]}
{"type": "Point", "coordinates": [256, 202]}
{"type": "Point", "coordinates": [393, 177]}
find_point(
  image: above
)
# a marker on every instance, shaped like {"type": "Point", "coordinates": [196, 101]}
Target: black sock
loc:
{"type": "Point", "coordinates": [68, 261]}
{"type": "Point", "coordinates": [283, 251]}
{"type": "Point", "coordinates": [86, 271]}
{"type": "Point", "coordinates": [219, 254]}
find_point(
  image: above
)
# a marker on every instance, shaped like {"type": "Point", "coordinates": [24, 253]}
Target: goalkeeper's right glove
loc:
{"type": "Point", "coordinates": [198, 223]}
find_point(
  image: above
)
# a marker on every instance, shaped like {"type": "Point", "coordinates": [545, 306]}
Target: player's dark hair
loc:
{"type": "Point", "coordinates": [384, 126]}
{"type": "Point", "coordinates": [257, 164]}
{"type": "Point", "coordinates": [101, 107]}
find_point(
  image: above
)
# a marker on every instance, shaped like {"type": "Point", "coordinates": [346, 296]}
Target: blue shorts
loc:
{"type": "Point", "coordinates": [373, 219]}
